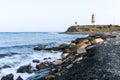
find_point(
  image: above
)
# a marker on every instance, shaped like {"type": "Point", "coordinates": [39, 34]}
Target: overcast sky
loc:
{"type": "Point", "coordinates": [55, 15]}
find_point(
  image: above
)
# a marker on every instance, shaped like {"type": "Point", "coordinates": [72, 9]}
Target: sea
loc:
{"type": "Point", "coordinates": [16, 49]}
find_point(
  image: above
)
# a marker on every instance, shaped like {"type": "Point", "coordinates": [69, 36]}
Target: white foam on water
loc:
{"type": "Point", "coordinates": [24, 59]}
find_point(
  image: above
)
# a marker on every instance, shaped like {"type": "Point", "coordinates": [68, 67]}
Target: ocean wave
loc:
{"type": "Point", "coordinates": [49, 44]}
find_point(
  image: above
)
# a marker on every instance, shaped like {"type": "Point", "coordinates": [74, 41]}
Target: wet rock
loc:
{"type": "Point", "coordinates": [64, 55]}
{"type": "Point", "coordinates": [57, 62]}
{"type": "Point", "coordinates": [36, 61]}
{"type": "Point", "coordinates": [64, 45]}
{"type": "Point", "coordinates": [40, 66]}
{"type": "Point", "coordinates": [45, 58]}
{"type": "Point", "coordinates": [26, 68]}
{"type": "Point", "coordinates": [5, 66]}
{"type": "Point", "coordinates": [8, 77]}
{"type": "Point", "coordinates": [40, 75]}
{"type": "Point", "coordinates": [19, 78]}
{"type": "Point", "coordinates": [42, 47]}
{"type": "Point", "coordinates": [48, 77]}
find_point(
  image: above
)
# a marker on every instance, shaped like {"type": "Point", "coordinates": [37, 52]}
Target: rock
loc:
{"type": "Point", "coordinates": [36, 61]}
{"type": "Point", "coordinates": [64, 45]}
{"type": "Point", "coordinates": [57, 62]}
{"type": "Point", "coordinates": [19, 78]}
{"type": "Point", "coordinates": [5, 66]}
{"type": "Point", "coordinates": [69, 66]}
{"type": "Point", "coordinates": [91, 50]}
{"type": "Point", "coordinates": [40, 66]}
{"type": "Point", "coordinates": [66, 51]}
{"type": "Point", "coordinates": [45, 58]}
{"type": "Point", "coordinates": [81, 40]}
{"type": "Point", "coordinates": [8, 77]}
{"type": "Point", "coordinates": [64, 55]}
{"type": "Point", "coordinates": [98, 40]}
{"type": "Point", "coordinates": [40, 75]}
{"type": "Point", "coordinates": [78, 59]}
{"type": "Point", "coordinates": [48, 77]}
{"type": "Point", "coordinates": [73, 48]}
{"type": "Point", "coordinates": [26, 68]}
{"type": "Point", "coordinates": [82, 45]}
{"type": "Point", "coordinates": [42, 47]}
{"type": "Point", "coordinates": [91, 47]}
{"type": "Point", "coordinates": [81, 50]}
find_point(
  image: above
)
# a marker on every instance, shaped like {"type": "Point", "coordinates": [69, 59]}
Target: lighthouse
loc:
{"type": "Point", "coordinates": [93, 19]}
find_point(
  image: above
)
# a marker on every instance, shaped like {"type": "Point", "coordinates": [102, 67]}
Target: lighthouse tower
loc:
{"type": "Point", "coordinates": [93, 19]}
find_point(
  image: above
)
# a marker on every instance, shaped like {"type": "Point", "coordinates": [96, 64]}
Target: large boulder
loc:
{"type": "Point", "coordinates": [26, 68]}
{"type": "Point", "coordinates": [8, 77]}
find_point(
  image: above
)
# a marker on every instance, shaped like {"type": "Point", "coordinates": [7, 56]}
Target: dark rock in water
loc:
{"type": "Point", "coordinates": [8, 77]}
{"type": "Point", "coordinates": [49, 57]}
{"type": "Point", "coordinates": [40, 66]}
{"type": "Point", "coordinates": [5, 66]}
{"type": "Point", "coordinates": [42, 47]}
{"type": "Point", "coordinates": [19, 78]}
{"type": "Point", "coordinates": [40, 75]}
{"type": "Point", "coordinates": [26, 68]}
{"type": "Point", "coordinates": [45, 58]}
{"type": "Point", "coordinates": [36, 61]}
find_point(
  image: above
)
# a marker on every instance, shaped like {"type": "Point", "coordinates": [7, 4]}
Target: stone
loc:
{"type": "Point", "coordinates": [91, 47]}
{"type": "Point", "coordinates": [19, 78]}
{"type": "Point", "coordinates": [66, 51]}
{"type": "Point", "coordinates": [78, 59]}
{"type": "Point", "coordinates": [40, 66]}
{"type": "Point", "coordinates": [42, 47]}
{"type": "Point", "coordinates": [64, 55]}
{"type": "Point", "coordinates": [49, 77]}
{"type": "Point", "coordinates": [81, 50]}
{"type": "Point", "coordinates": [40, 75]}
{"type": "Point", "coordinates": [64, 45]}
{"type": "Point", "coordinates": [45, 58]}
{"type": "Point", "coordinates": [57, 62]}
{"type": "Point", "coordinates": [8, 77]}
{"type": "Point", "coordinates": [36, 61]}
{"type": "Point", "coordinates": [98, 40]}
{"type": "Point", "coordinates": [69, 66]}
{"type": "Point", "coordinates": [5, 66]}
{"type": "Point", "coordinates": [82, 45]}
{"type": "Point", "coordinates": [81, 40]}
{"type": "Point", "coordinates": [26, 68]}
{"type": "Point", "coordinates": [73, 48]}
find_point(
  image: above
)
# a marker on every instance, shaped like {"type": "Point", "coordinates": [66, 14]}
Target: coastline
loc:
{"type": "Point", "coordinates": [81, 60]}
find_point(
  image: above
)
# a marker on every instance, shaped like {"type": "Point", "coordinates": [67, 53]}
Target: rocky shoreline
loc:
{"type": "Point", "coordinates": [95, 57]}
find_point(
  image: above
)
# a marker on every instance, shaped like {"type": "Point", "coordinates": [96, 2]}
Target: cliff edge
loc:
{"type": "Point", "coordinates": [93, 28]}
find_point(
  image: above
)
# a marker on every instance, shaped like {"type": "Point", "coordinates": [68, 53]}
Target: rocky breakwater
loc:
{"type": "Point", "coordinates": [77, 58]}
{"type": "Point", "coordinates": [79, 50]}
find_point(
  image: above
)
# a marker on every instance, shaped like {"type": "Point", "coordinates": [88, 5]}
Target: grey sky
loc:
{"type": "Point", "coordinates": [55, 15]}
